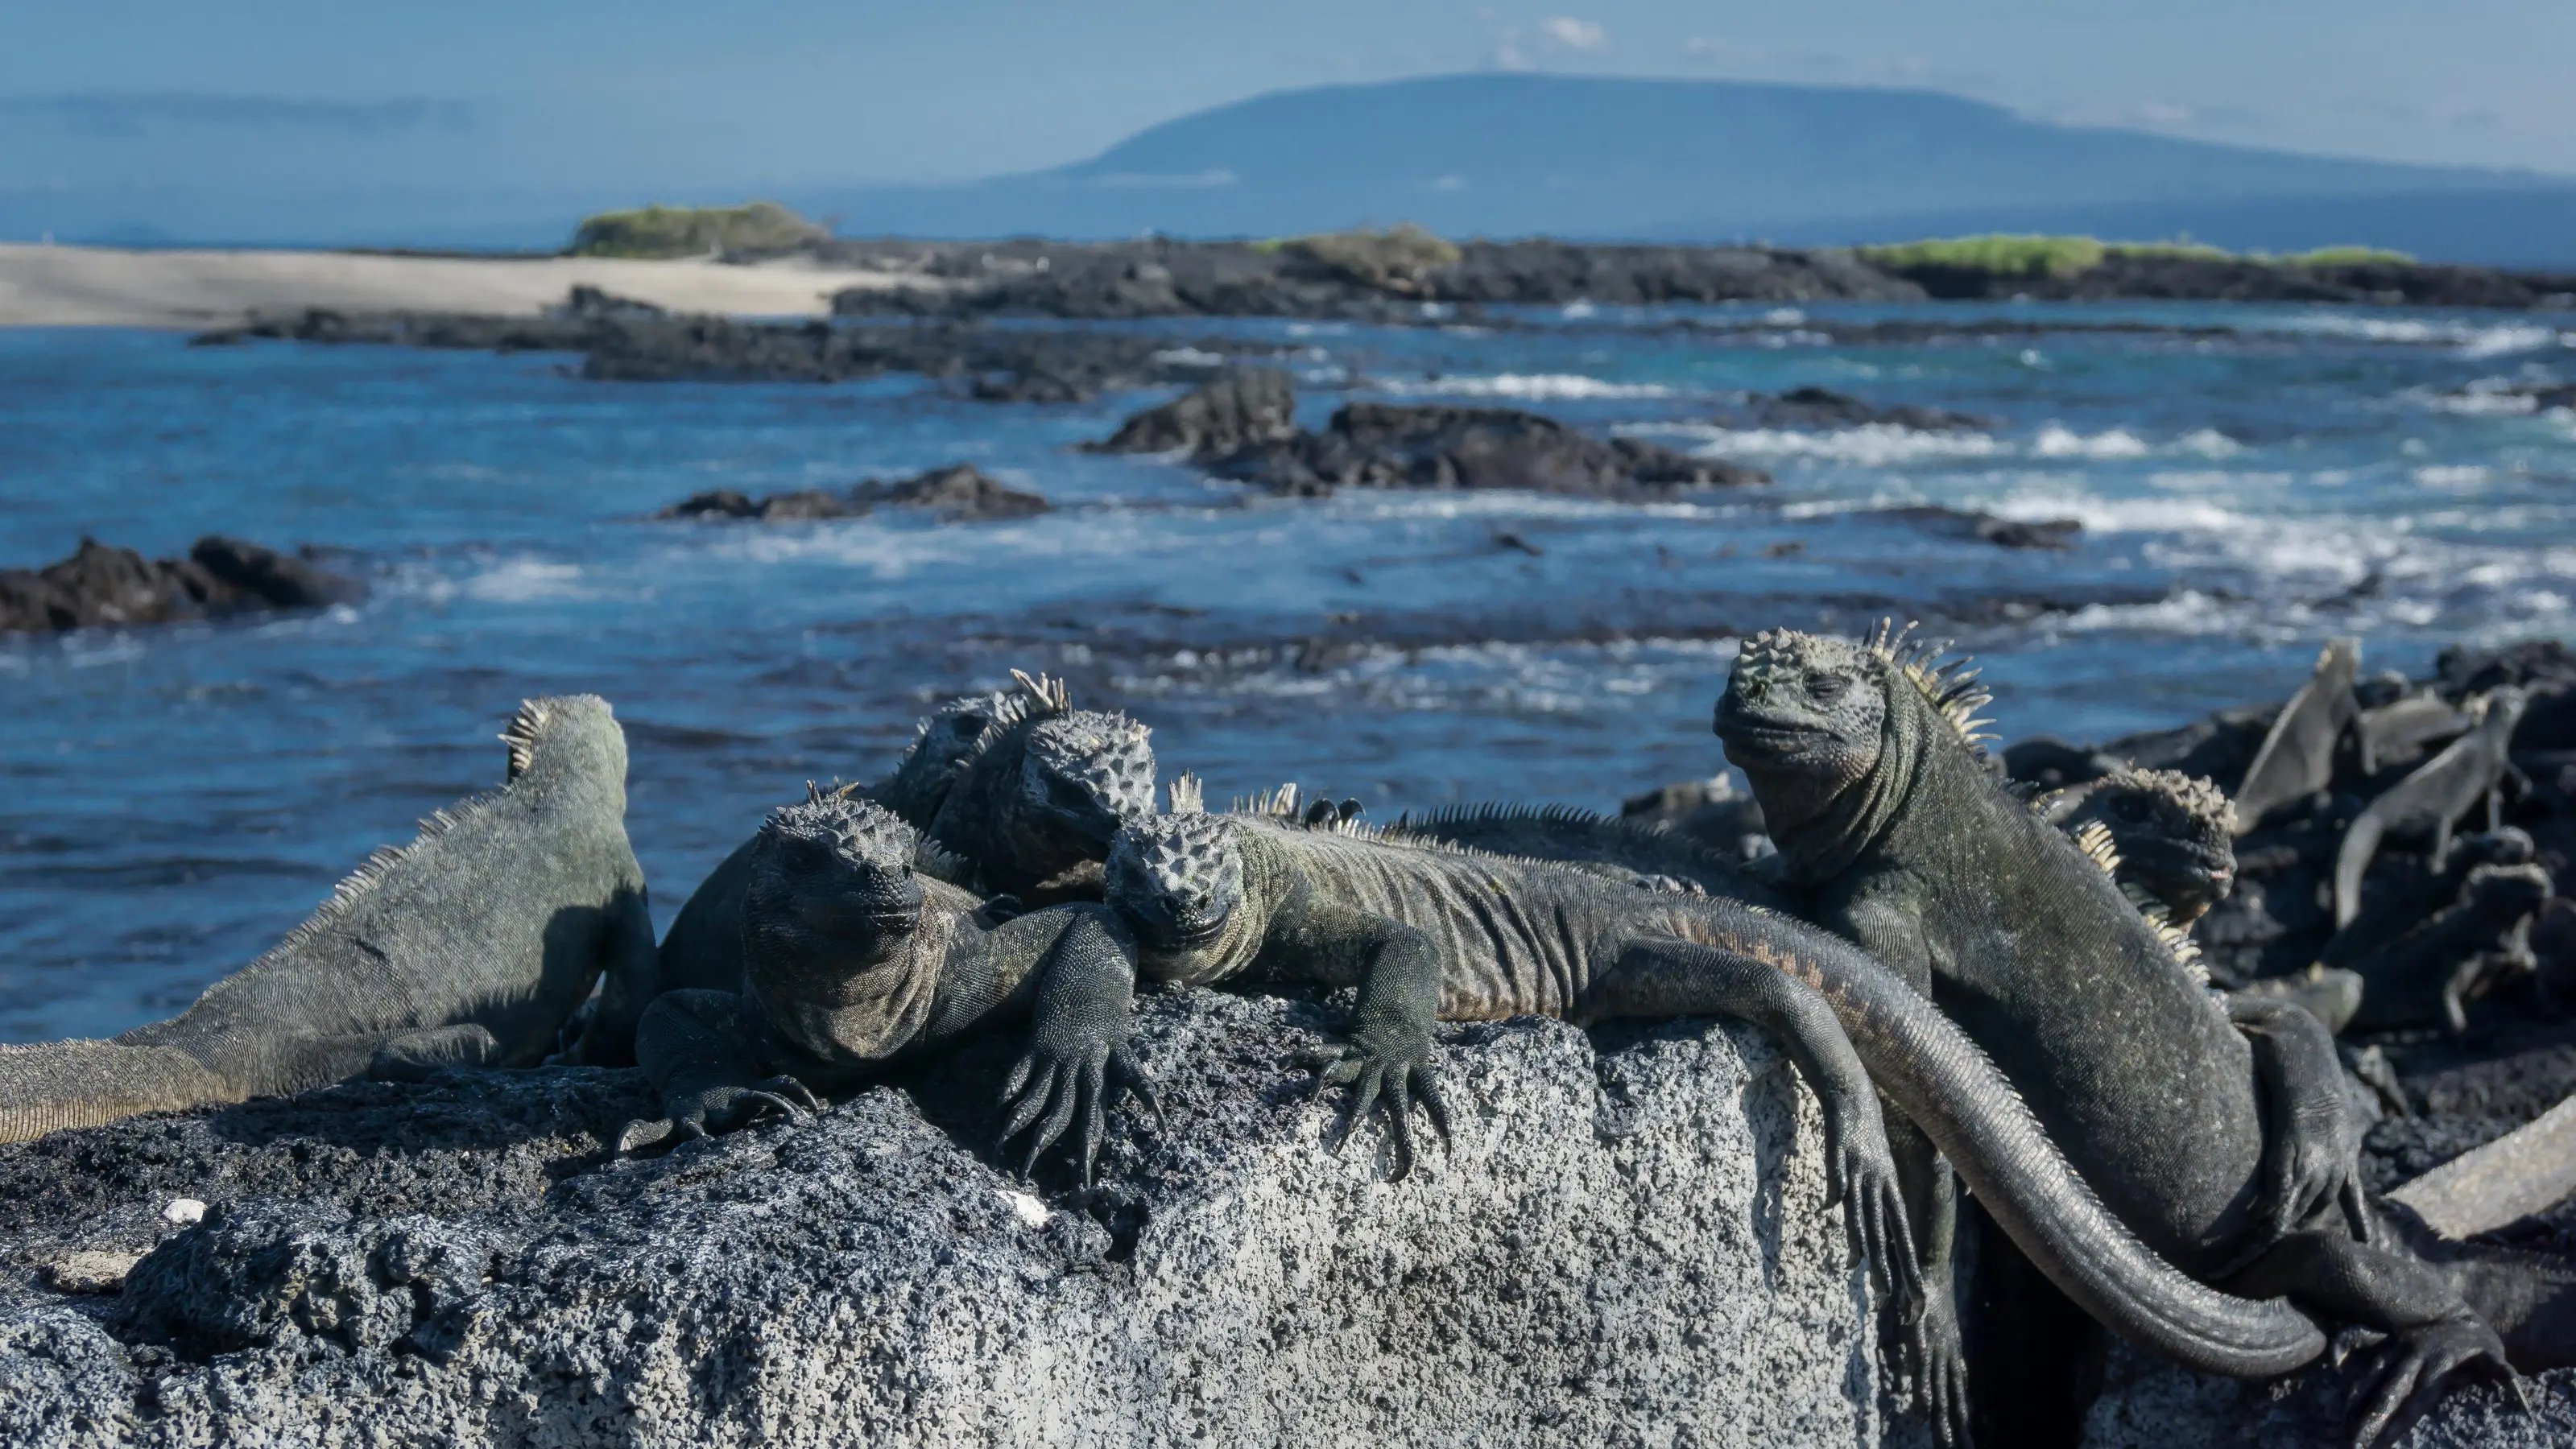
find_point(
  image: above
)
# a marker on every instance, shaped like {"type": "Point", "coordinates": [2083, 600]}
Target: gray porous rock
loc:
{"type": "Point", "coordinates": [1628, 1243]}
{"type": "Point", "coordinates": [2147, 1403]}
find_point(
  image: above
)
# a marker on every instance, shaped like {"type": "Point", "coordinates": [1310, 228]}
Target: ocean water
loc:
{"type": "Point", "coordinates": [2250, 480]}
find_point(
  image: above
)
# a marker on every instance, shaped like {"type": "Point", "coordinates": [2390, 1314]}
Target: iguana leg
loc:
{"type": "Point", "coordinates": [700, 1050]}
{"type": "Point", "coordinates": [1665, 977]}
{"type": "Point", "coordinates": [1935, 1358]}
{"type": "Point", "coordinates": [2431, 1331]}
{"type": "Point", "coordinates": [630, 977]}
{"type": "Point", "coordinates": [2310, 1158]}
{"type": "Point", "coordinates": [1388, 1057]}
{"type": "Point", "coordinates": [1077, 1056]}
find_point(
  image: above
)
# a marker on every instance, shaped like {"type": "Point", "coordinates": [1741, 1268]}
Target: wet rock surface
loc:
{"type": "Point", "coordinates": [1819, 407]}
{"type": "Point", "coordinates": [1383, 445]}
{"type": "Point", "coordinates": [103, 586]}
{"type": "Point", "coordinates": [959, 493]}
{"type": "Point", "coordinates": [1627, 1243]}
{"type": "Point", "coordinates": [1245, 408]}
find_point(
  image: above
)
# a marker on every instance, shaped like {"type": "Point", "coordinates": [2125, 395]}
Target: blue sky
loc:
{"type": "Point", "coordinates": [642, 94]}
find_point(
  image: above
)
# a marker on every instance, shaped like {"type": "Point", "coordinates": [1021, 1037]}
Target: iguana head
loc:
{"type": "Point", "coordinates": [830, 903]}
{"type": "Point", "coordinates": [945, 741]}
{"type": "Point", "coordinates": [1805, 710]}
{"type": "Point", "coordinates": [1832, 733]}
{"type": "Point", "coordinates": [2175, 836]}
{"type": "Point", "coordinates": [1086, 773]}
{"type": "Point", "coordinates": [564, 738]}
{"type": "Point", "coordinates": [1178, 881]}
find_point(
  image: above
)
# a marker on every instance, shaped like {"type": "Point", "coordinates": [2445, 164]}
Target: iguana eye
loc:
{"type": "Point", "coordinates": [1826, 687]}
{"type": "Point", "coordinates": [2128, 807]}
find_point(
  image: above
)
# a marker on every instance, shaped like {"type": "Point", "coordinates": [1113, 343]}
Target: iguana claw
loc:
{"type": "Point", "coordinates": [1049, 1092]}
{"type": "Point", "coordinates": [1398, 1073]}
{"type": "Point", "coordinates": [2415, 1359]}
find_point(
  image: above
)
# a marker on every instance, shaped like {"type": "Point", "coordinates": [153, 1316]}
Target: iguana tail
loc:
{"type": "Point", "coordinates": [2352, 858]}
{"type": "Point", "coordinates": [48, 1087]}
{"type": "Point", "coordinates": [1950, 1089]}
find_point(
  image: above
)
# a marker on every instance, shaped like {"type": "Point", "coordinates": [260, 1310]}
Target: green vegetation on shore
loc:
{"type": "Point", "coordinates": [692, 231]}
{"type": "Point", "coordinates": [2071, 256]}
{"type": "Point", "coordinates": [1377, 258]}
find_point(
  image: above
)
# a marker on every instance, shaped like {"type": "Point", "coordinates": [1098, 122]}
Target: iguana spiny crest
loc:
{"type": "Point", "coordinates": [2172, 836]}
{"type": "Point", "coordinates": [1089, 761]}
{"type": "Point", "coordinates": [550, 740]}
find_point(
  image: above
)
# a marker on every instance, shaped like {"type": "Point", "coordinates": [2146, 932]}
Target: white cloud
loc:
{"type": "Point", "coordinates": [1567, 33]}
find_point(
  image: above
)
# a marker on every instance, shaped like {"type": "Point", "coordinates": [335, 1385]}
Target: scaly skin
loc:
{"type": "Point", "coordinates": [1430, 933]}
{"type": "Point", "coordinates": [2432, 800]}
{"type": "Point", "coordinates": [854, 960]}
{"type": "Point", "coordinates": [1022, 791]}
{"type": "Point", "coordinates": [2175, 835]}
{"type": "Point", "coordinates": [1035, 804]}
{"type": "Point", "coordinates": [2296, 759]}
{"type": "Point", "coordinates": [1597, 844]}
{"type": "Point", "coordinates": [470, 946]}
{"type": "Point", "coordinates": [1897, 836]}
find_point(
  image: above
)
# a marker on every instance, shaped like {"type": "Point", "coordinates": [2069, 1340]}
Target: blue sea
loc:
{"type": "Point", "coordinates": [2250, 481]}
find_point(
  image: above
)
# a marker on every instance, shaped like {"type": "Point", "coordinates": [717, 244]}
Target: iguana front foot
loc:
{"type": "Point", "coordinates": [2413, 1361]}
{"type": "Point", "coordinates": [715, 1110]}
{"type": "Point", "coordinates": [1860, 1179]}
{"type": "Point", "coordinates": [1391, 1065]}
{"type": "Point", "coordinates": [1056, 1081]}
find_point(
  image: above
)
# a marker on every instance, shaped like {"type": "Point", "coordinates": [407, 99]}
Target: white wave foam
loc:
{"type": "Point", "coordinates": [1189, 357]}
{"type": "Point", "coordinates": [2055, 441]}
{"type": "Point", "coordinates": [2452, 475]}
{"type": "Point", "coordinates": [1525, 386]}
{"type": "Point", "coordinates": [519, 580]}
{"type": "Point", "coordinates": [2469, 338]}
{"type": "Point", "coordinates": [1874, 445]}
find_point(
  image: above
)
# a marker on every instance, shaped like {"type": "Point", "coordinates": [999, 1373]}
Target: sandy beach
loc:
{"type": "Point", "coordinates": [72, 286]}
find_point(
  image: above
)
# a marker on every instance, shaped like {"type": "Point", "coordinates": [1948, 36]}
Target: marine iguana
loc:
{"type": "Point", "coordinates": [855, 956]}
{"type": "Point", "coordinates": [2296, 758]}
{"type": "Point", "coordinates": [2174, 836]}
{"type": "Point", "coordinates": [1431, 932]}
{"type": "Point", "coordinates": [1896, 835]}
{"type": "Point", "coordinates": [1019, 790]}
{"type": "Point", "coordinates": [2431, 800]}
{"type": "Point", "coordinates": [703, 949]}
{"type": "Point", "coordinates": [1037, 799]}
{"type": "Point", "coordinates": [2427, 974]}
{"type": "Point", "coordinates": [470, 946]}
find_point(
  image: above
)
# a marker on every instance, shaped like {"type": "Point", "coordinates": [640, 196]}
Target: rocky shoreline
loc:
{"type": "Point", "coordinates": [1394, 277]}
{"type": "Point", "coordinates": [101, 586]}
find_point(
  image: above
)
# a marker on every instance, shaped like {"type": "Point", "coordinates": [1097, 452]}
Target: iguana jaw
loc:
{"type": "Point", "coordinates": [1179, 882]}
